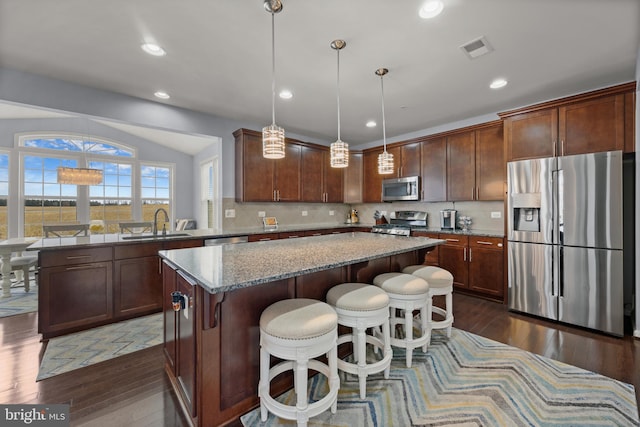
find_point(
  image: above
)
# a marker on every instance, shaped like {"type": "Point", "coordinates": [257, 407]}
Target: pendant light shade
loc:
{"type": "Point", "coordinates": [339, 149]}
{"type": "Point", "coordinates": [385, 159]}
{"type": "Point", "coordinates": [273, 135]}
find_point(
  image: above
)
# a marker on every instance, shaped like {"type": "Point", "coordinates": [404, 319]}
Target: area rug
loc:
{"type": "Point", "coordinates": [74, 351]}
{"type": "Point", "coordinates": [469, 380]}
{"type": "Point", "coordinates": [20, 302]}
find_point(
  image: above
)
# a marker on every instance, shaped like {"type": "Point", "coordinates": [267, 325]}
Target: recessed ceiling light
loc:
{"type": "Point", "coordinates": [153, 49]}
{"type": "Point", "coordinates": [371, 124]}
{"type": "Point", "coordinates": [431, 9]}
{"type": "Point", "coordinates": [162, 95]}
{"type": "Point", "coordinates": [285, 94]}
{"type": "Point", "coordinates": [498, 83]}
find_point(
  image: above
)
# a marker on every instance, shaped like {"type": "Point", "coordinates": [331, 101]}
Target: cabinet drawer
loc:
{"type": "Point", "coordinates": [454, 239]}
{"type": "Point", "coordinates": [263, 237]}
{"type": "Point", "coordinates": [291, 235]}
{"type": "Point", "coordinates": [75, 256]}
{"type": "Point", "coordinates": [486, 242]}
{"type": "Point", "coordinates": [183, 244]}
{"type": "Point", "coordinates": [137, 251]}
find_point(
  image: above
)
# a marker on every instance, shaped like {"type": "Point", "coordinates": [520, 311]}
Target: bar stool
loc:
{"type": "Point", "coordinates": [440, 283]}
{"type": "Point", "coordinates": [361, 306]}
{"type": "Point", "coordinates": [297, 331]}
{"type": "Point", "coordinates": [407, 293]}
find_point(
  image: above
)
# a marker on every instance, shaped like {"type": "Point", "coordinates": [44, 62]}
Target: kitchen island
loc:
{"type": "Point", "coordinates": [211, 343]}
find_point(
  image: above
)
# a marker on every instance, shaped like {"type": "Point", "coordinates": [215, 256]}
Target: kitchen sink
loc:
{"type": "Point", "coordinates": [151, 236]}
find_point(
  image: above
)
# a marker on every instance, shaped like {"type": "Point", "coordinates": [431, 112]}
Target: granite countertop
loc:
{"type": "Point", "coordinates": [233, 266]}
{"type": "Point", "coordinates": [471, 232]}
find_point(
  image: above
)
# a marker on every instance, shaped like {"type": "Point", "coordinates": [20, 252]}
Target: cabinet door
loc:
{"type": "Point", "coordinates": [453, 258]}
{"type": "Point", "coordinates": [486, 266]}
{"type": "Point", "coordinates": [333, 181]}
{"type": "Point", "coordinates": [490, 172]}
{"type": "Point", "coordinates": [255, 178]}
{"type": "Point", "coordinates": [434, 170]}
{"type": "Point", "coordinates": [186, 345]}
{"type": "Point", "coordinates": [461, 160]}
{"type": "Point", "coordinates": [312, 167]}
{"type": "Point", "coordinates": [137, 286]}
{"type": "Point", "coordinates": [433, 255]}
{"type": "Point", "coordinates": [592, 126]}
{"type": "Point", "coordinates": [74, 297]}
{"type": "Point", "coordinates": [531, 135]}
{"type": "Point", "coordinates": [353, 179]}
{"type": "Point", "coordinates": [410, 156]}
{"type": "Point", "coordinates": [372, 188]}
{"type": "Point", "coordinates": [288, 174]}
{"type": "Point", "coordinates": [170, 316]}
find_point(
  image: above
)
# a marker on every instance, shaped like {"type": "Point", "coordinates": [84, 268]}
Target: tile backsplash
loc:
{"type": "Point", "coordinates": [246, 214]}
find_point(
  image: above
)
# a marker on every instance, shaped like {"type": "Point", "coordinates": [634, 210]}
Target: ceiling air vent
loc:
{"type": "Point", "coordinates": [476, 48]}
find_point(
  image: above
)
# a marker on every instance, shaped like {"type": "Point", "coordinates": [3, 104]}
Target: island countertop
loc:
{"type": "Point", "coordinates": [234, 266]}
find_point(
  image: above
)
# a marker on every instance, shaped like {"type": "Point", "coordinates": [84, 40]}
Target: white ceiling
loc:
{"type": "Point", "coordinates": [219, 55]}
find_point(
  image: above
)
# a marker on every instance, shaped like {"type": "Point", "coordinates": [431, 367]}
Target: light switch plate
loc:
{"type": "Point", "coordinates": [262, 214]}
{"type": "Point", "coordinates": [230, 213]}
{"type": "Point", "coordinates": [496, 214]}
{"type": "Point", "coordinates": [305, 213]}
{"type": "Point", "coordinates": [332, 213]}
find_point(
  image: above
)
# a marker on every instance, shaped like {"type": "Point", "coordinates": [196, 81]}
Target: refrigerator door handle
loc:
{"type": "Point", "coordinates": [560, 203]}
{"type": "Point", "coordinates": [561, 272]}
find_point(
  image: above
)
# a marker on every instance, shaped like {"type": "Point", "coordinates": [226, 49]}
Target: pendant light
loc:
{"type": "Point", "coordinates": [339, 149]}
{"type": "Point", "coordinates": [385, 159]}
{"type": "Point", "coordinates": [273, 135]}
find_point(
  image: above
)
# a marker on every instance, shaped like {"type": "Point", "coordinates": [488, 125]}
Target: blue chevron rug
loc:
{"type": "Point", "coordinates": [469, 380]}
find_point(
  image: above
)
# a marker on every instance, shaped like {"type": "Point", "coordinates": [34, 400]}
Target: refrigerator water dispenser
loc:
{"type": "Point", "coordinates": [526, 212]}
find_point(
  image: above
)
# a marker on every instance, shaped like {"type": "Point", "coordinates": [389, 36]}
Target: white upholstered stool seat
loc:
{"type": "Point", "coordinates": [297, 331]}
{"type": "Point", "coordinates": [407, 293]}
{"type": "Point", "coordinates": [440, 283]}
{"type": "Point", "coordinates": [361, 306]}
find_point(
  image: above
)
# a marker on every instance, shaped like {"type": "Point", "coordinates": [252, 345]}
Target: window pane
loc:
{"type": "Point", "coordinates": [4, 194]}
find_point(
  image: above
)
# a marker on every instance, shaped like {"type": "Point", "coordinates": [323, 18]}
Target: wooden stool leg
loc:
{"type": "Point", "coordinates": [408, 332]}
{"type": "Point", "coordinates": [386, 336]}
{"type": "Point", "coordinates": [263, 385]}
{"type": "Point", "coordinates": [362, 361]}
{"type": "Point", "coordinates": [25, 273]}
{"type": "Point", "coordinates": [334, 380]}
{"type": "Point", "coordinates": [449, 309]}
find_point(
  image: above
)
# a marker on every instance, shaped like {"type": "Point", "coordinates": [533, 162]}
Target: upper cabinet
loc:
{"type": "Point", "coordinates": [406, 159]}
{"type": "Point", "coordinates": [406, 162]}
{"type": "Point", "coordinates": [434, 170]}
{"type": "Point", "coordinates": [353, 178]}
{"type": "Point", "coordinates": [372, 186]}
{"type": "Point", "coordinates": [320, 182]}
{"type": "Point", "coordinates": [595, 121]}
{"type": "Point", "coordinates": [266, 180]}
{"type": "Point", "coordinates": [304, 175]}
{"type": "Point", "coordinates": [475, 164]}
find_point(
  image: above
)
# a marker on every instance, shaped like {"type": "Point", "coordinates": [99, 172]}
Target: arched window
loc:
{"type": "Point", "coordinates": [120, 197]}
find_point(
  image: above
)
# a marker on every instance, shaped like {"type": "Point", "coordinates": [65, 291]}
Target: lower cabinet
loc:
{"type": "Point", "coordinates": [476, 262]}
{"type": "Point", "coordinates": [432, 257]}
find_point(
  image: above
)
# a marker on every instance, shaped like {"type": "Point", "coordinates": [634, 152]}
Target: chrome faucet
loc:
{"type": "Point", "coordinates": [155, 221]}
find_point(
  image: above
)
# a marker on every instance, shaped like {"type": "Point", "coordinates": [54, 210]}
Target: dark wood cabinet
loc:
{"type": "Point", "coordinates": [461, 170]}
{"type": "Point", "coordinates": [475, 164]}
{"type": "Point", "coordinates": [586, 123]}
{"type": "Point", "coordinates": [320, 182]}
{"type": "Point", "coordinates": [486, 266]}
{"type": "Point", "coordinates": [476, 262]}
{"type": "Point", "coordinates": [74, 297]}
{"type": "Point", "coordinates": [434, 170]}
{"type": "Point", "coordinates": [266, 180]}
{"type": "Point", "coordinates": [453, 258]}
{"type": "Point", "coordinates": [406, 159]}
{"type": "Point", "coordinates": [490, 164]}
{"type": "Point", "coordinates": [433, 255]}
{"type": "Point", "coordinates": [137, 278]}
{"type": "Point", "coordinates": [353, 178]}
{"type": "Point", "coordinates": [372, 180]}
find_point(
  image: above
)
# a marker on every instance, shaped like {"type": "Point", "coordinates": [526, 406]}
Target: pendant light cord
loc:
{"type": "Point", "coordinates": [338, 92]}
{"type": "Point", "coordinates": [273, 69]}
{"type": "Point", "coordinates": [384, 130]}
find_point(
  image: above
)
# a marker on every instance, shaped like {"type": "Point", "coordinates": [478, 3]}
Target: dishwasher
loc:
{"type": "Point", "coordinates": [224, 240]}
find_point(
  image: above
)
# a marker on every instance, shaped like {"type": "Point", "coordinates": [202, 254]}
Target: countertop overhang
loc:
{"type": "Point", "coordinates": [233, 266]}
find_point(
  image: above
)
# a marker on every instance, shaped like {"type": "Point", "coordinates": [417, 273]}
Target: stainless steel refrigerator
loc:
{"type": "Point", "coordinates": [565, 239]}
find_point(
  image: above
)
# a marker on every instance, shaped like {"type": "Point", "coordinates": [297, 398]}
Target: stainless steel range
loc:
{"type": "Point", "coordinates": [401, 223]}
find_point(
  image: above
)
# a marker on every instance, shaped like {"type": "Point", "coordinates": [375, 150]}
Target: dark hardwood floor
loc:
{"type": "Point", "coordinates": [133, 390]}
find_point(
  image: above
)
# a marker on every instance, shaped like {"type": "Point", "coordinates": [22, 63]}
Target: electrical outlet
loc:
{"type": "Point", "coordinates": [305, 213]}
{"type": "Point", "coordinates": [497, 214]}
{"type": "Point", "coordinates": [230, 213]}
{"type": "Point", "coordinates": [332, 213]}
{"type": "Point", "coordinates": [262, 214]}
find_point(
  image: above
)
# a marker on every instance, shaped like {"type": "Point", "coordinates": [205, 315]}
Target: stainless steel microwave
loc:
{"type": "Point", "coordinates": [407, 188]}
